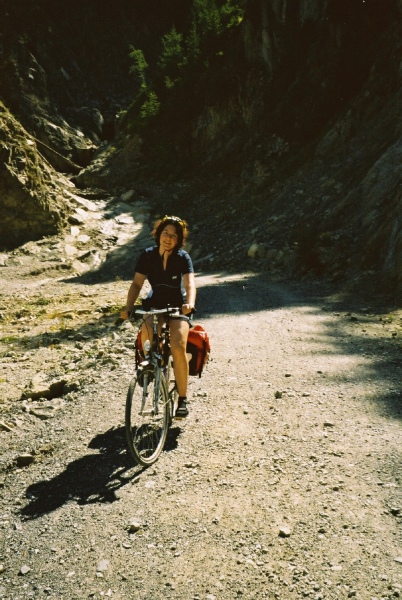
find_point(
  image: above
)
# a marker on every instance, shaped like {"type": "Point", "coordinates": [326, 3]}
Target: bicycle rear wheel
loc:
{"type": "Point", "coordinates": [147, 420]}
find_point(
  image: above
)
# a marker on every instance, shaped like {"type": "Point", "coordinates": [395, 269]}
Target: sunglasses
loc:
{"type": "Point", "coordinates": [175, 219]}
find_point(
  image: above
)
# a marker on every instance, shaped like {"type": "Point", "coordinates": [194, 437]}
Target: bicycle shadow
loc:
{"type": "Point", "coordinates": [91, 479]}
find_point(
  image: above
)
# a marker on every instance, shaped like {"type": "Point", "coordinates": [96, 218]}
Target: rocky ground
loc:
{"type": "Point", "coordinates": [285, 480]}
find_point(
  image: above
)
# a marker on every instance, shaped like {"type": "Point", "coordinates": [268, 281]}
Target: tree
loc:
{"type": "Point", "coordinates": [139, 66]}
{"type": "Point", "coordinates": [172, 60]}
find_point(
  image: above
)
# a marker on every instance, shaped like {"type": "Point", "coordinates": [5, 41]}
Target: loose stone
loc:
{"type": "Point", "coordinates": [134, 526]}
{"type": "Point", "coordinates": [284, 532]}
{"type": "Point", "coordinates": [103, 565]}
{"type": "Point", "coordinates": [24, 570]}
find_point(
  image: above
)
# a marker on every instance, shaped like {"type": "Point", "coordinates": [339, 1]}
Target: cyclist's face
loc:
{"type": "Point", "coordinates": [169, 238]}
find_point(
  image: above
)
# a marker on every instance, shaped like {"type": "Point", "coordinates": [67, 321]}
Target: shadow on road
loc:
{"type": "Point", "coordinates": [91, 479]}
{"type": "Point", "coordinates": [229, 294]}
{"type": "Point", "coordinates": [348, 331]}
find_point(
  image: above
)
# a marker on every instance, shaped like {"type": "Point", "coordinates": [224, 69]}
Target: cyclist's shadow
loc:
{"type": "Point", "coordinates": [93, 478]}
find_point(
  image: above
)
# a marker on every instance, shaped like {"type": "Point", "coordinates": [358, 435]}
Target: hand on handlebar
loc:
{"type": "Point", "coordinates": [187, 309]}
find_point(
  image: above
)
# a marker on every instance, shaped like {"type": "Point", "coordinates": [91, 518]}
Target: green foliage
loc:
{"type": "Point", "coordinates": [212, 17]}
{"type": "Point", "coordinates": [149, 107]}
{"type": "Point", "coordinates": [139, 66]}
{"type": "Point", "coordinates": [8, 339]}
{"type": "Point", "coordinates": [42, 301]}
{"type": "Point", "coordinates": [146, 103]}
{"type": "Point", "coordinates": [207, 17]}
{"type": "Point", "coordinates": [232, 13]}
{"type": "Point", "coordinates": [183, 54]}
{"type": "Point", "coordinates": [172, 59]}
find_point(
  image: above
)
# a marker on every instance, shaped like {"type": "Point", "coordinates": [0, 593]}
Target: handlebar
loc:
{"type": "Point", "coordinates": [140, 312]}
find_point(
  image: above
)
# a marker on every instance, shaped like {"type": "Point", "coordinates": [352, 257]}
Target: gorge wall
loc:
{"type": "Point", "coordinates": [293, 132]}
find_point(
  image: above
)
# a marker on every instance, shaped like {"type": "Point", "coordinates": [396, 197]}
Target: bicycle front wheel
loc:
{"type": "Point", "coordinates": [147, 419]}
{"type": "Point", "coordinates": [172, 389]}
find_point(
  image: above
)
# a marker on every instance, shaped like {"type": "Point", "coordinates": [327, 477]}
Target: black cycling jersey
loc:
{"type": "Point", "coordinates": [167, 285]}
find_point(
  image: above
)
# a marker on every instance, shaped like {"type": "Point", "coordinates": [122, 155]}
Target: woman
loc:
{"type": "Point", "coordinates": [170, 272]}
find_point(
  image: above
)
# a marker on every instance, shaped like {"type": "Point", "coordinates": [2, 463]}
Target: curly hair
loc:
{"type": "Point", "coordinates": [179, 224]}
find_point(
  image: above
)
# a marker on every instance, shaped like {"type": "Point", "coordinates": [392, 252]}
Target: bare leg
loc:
{"type": "Point", "coordinates": [178, 342]}
{"type": "Point", "coordinates": [147, 329]}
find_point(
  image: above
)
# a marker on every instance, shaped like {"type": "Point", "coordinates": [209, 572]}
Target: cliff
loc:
{"type": "Point", "coordinates": [288, 130]}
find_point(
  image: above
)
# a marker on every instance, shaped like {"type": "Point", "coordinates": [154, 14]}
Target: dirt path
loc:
{"type": "Point", "coordinates": [284, 482]}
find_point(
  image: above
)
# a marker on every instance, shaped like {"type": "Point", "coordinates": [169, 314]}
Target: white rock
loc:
{"type": "Point", "coordinates": [24, 569]}
{"type": "Point", "coordinates": [102, 565]}
{"type": "Point", "coordinates": [134, 526]}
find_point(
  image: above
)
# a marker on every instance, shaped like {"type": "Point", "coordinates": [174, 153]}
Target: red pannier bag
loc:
{"type": "Point", "coordinates": [199, 347]}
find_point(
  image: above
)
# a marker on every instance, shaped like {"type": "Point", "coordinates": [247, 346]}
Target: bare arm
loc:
{"type": "Point", "coordinates": [133, 293]}
{"type": "Point", "coordinates": [189, 286]}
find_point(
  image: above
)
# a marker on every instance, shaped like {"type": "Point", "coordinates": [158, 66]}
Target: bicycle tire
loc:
{"type": "Point", "coordinates": [146, 431]}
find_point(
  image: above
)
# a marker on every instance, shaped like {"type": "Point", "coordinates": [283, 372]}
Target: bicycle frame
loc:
{"type": "Point", "coordinates": [150, 410]}
{"type": "Point", "coordinates": [156, 354]}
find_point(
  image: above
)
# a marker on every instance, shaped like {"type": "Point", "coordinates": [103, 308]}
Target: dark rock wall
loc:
{"type": "Point", "coordinates": [297, 118]}
{"type": "Point", "coordinates": [313, 132]}
{"type": "Point", "coordinates": [297, 66]}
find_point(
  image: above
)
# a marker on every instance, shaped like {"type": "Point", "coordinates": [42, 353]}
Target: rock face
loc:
{"type": "Point", "coordinates": [31, 204]}
{"type": "Point", "coordinates": [296, 118]}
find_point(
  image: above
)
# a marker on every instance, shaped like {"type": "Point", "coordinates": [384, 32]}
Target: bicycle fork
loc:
{"type": "Point", "coordinates": [157, 384]}
{"type": "Point", "coordinates": [144, 393]}
{"type": "Point", "coordinates": [154, 409]}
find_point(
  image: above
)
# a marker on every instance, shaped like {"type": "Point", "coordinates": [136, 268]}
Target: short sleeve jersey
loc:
{"type": "Point", "coordinates": [167, 285]}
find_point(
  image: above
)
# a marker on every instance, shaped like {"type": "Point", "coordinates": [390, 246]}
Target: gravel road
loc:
{"type": "Point", "coordinates": [284, 482]}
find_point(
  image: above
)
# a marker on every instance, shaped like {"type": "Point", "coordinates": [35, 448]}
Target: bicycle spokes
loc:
{"type": "Point", "coordinates": [151, 399]}
{"type": "Point", "coordinates": [147, 419]}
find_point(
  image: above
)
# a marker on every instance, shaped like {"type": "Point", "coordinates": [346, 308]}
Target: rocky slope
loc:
{"type": "Point", "coordinates": [292, 134]}
{"type": "Point", "coordinates": [33, 202]}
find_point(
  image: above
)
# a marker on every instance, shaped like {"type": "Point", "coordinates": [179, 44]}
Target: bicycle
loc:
{"type": "Point", "coordinates": [150, 404]}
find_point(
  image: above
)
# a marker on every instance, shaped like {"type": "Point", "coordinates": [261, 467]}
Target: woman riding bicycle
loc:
{"type": "Point", "coordinates": [169, 270]}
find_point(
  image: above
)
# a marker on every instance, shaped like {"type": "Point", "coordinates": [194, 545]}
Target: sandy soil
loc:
{"type": "Point", "coordinates": [284, 482]}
